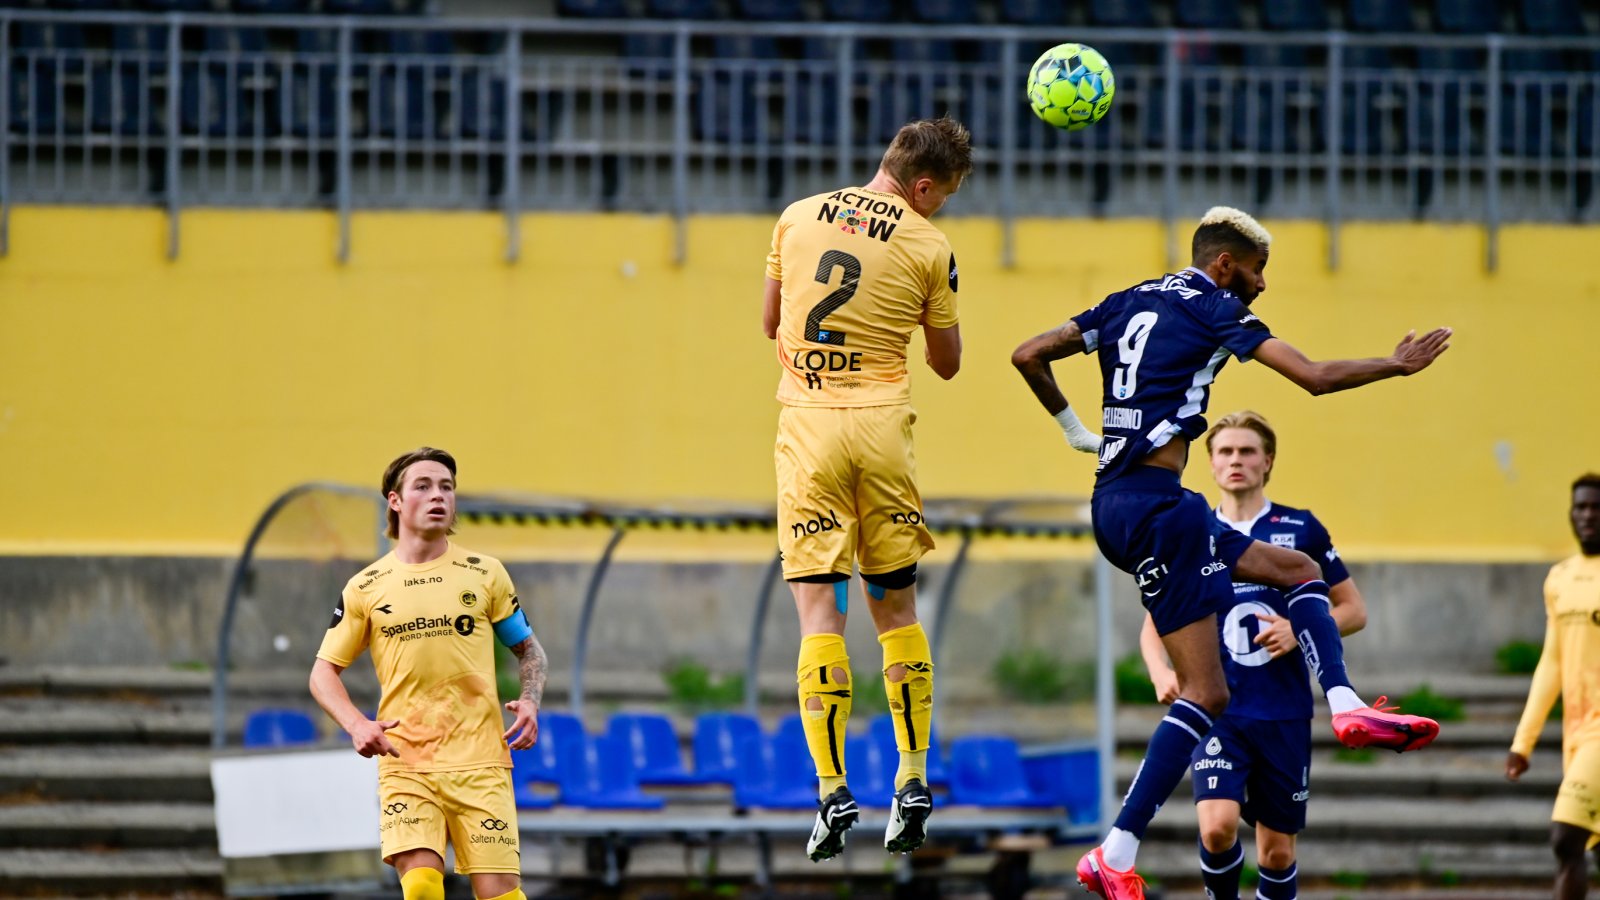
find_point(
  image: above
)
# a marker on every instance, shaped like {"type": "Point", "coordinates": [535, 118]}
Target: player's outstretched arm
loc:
{"type": "Point", "coordinates": [367, 736]}
{"type": "Point", "coordinates": [943, 350]}
{"type": "Point", "coordinates": [771, 299]}
{"type": "Point", "coordinates": [532, 665]}
{"type": "Point", "coordinates": [1412, 355]}
{"type": "Point", "coordinates": [1032, 360]}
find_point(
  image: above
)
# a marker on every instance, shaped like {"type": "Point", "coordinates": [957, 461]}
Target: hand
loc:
{"type": "Point", "coordinates": [524, 731]}
{"type": "Point", "coordinates": [1276, 635]}
{"type": "Point", "coordinates": [1166, 682]}
{"type": "Point", "coordinates": [1516, 764]}
{"type": "Point", "coordinates": [1416, 355]}
{"type": "Point", "coordinates": [369, 739]}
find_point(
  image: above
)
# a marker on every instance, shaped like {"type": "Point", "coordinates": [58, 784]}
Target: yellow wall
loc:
{"type": "Point", "coordinates": [155, 406]}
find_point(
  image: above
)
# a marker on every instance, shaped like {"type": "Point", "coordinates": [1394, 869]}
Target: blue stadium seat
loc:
{"type": "Point", "coordinates": [881, 732]}
{"type": "Point", "coordinates": [987, 771]}
{"type": "Point", "coordinates": [1069, 778]}
{"type": "Point", "coordinates": [596, 774]}
{"type": "Point", "coordinates": [527, 769]}
{"type": "Point", "coordinates": [43, 54]}
{"type": "Point", "coordinates": [1551, 18]}
{"type": "Point", "coordinates": [717, 739]}
{"type": "Point", "coordinates": [1122, 14]}
{"type": "Point", "coordinates": [1295, 15]}
{"type": "Point", "coordinates": [1033, 12]}
{"type": "Point", "coordinates": [945, 12]}
{"type": "Point", "coordinates": [776, 772]}
{"type": "Point", "coordinates": [239, 90]}
{"type": "Point", "coordinates": [870, 769]}
{"type": "Point", "coordinates": [411, 73]}
{"type": "Point", "coordinates": [681, 9]}
{"type": "Point", "coordinates": [593, 9]}
{"type": "Point", "coordinates": [652, 747]}
{"type": "Point", "coordinates": [273, 7]}
{"type": "Point", "coordinates": [771, 10]}
{"type": "Point", "coordinates": [278, 727]}
{"type": "Point", "coordinates": [1218, 14]}
{"type": "Point", "coordinates": [122, 94]}
{"type": "Point", "coordinates": [360, 7]}
{"type": "Point", "coordinates": [858, 10]}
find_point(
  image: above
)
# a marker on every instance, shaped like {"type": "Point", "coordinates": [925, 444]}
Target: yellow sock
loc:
{"type": "Point", "coordinates": [824, 677]}
{"type": "Point", "coordinates": [513, 894]}
{"type": "Point", "coordinates": [910, 698]}
{"type": "Point", "coordinates": [422, 883]}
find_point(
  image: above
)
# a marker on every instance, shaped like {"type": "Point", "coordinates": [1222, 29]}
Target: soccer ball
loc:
{"type": "Point", "coordinates": [1071, 86]}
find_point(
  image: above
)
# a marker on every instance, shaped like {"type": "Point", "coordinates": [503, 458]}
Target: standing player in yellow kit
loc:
{"type": "Point", "coordinates": [1569, 668]}
{"type": "Point", "coordinates": [852, 273]}
{"type": "Point", "coordinates": [427, 610]}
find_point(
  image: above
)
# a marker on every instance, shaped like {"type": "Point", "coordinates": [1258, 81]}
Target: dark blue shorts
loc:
{"type": "Point", "coordinates": [1263, 765]}
{"type": "Point", "coordinates": [1171, 542]}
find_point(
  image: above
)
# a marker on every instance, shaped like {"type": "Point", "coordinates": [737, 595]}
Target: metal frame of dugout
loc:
{"type": "Point", "coordinates": [965, 518]}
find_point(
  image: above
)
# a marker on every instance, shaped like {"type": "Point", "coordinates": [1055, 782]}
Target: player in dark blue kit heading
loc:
{"type": "Point", "coordinates": [1256, 762]}
{"type": "Point", "coordinates": [1161, 344]}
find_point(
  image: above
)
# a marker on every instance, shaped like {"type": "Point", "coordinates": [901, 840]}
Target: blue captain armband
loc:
{"type": "Point", "coordinates": [513, 629]}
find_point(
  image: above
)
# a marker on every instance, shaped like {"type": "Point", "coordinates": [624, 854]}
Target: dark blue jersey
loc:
{"type": "Point", "coordinates": [1263, 687]}
{"type": "Point", "coordinates": [1163, 343]}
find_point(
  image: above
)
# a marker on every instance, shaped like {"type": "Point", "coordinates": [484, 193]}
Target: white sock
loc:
{"type": "Point", "coordinates": [1343, 699]}
{"type": "Point", "coordinates": [1120, 849]}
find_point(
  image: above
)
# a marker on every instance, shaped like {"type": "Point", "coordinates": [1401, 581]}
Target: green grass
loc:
{"type": "Point", "coordinates": [869, 698]}
{"type": "Point", "coordinates": [1249, 875]}
{"type": "Point", "coordinates": [1133, 680]}
{"type": "Point", "coordinates": [1031, 675]}
{"type": "Point", "coordinates": [1349, 879]}
{"type": "Point", "coordinates": [1362, 755]}
{"type": "Point", "coordinates": [1424, 702]}
{"type": "Point", "coordinates": [693, 687]}
{"type": "Point", "coordinates": [1517, 657]}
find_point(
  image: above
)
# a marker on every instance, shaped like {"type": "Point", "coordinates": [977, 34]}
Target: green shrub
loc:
{"type": "Point", "coordinates": [1361, 755]}
{"type": "Point", "coordinates": [1032, 675]}
{"type": "Point", "coordinates": [1517, 657]}
{"type": "Point", "coordinates": [869, 697]}
{"type": "Point", "coordinates": [1349, 879]}
{"type": "Point", "coordinates": [691, 686]}
{"type": "Point", "coordinates": [1424, 702]}
{"type": "Point", "coordinates": [1133, 680]}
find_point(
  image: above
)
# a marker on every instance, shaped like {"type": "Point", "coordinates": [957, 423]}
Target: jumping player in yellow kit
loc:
{"type": "Point", "coordinates": [430, 611]}
{"type": "Point", "coordinates": [1569, 668]}
{"type": "Point", "coordinates": [852, 273]}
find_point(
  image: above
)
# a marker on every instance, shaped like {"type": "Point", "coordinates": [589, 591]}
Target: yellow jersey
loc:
{"type": "Point", "coordinates": [1569, 667]}
{"type": "Point", "coordinates": [430, 627]}
{"type": "Point", "coordinates": [860, 271]}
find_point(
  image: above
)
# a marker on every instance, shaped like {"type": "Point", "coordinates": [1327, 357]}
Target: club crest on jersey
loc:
{"type": "Point", "coordinates": [469, 599]}
{"type": "Point", "coordinates": [1175, 284]}
{"type": "Point", "coordinates": [1283, 540]}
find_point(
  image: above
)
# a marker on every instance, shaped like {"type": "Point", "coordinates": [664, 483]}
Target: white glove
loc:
{"type": "Point", "coordinates": [1079, 437]}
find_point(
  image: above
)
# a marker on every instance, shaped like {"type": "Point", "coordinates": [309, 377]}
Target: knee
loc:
{"type": "Point", "coordinates": [1218, 837]}
{"type": "Point", "coordinates": [422, 883]}
{"type": "Point", "coordinates": [1277, 855]}
{"type": "Point", "coordinates": [1568, 842]}
{"type": "Point", "coordinates": [1213, 698]}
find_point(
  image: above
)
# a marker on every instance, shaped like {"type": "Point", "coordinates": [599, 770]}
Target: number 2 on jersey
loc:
{"type": "Point", "coordinates": [841, 295]}
{"type": "Point", "coordinates": [1130, 350]}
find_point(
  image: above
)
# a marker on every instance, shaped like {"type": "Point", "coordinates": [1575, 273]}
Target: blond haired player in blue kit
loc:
{"type": "Point", "coordinates": [851, 275]}
{"type": "Point", "coordinates": [430, 611]}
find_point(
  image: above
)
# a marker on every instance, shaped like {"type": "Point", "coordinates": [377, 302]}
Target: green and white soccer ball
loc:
{"type": "Point", "coordinates": [1071, 86]}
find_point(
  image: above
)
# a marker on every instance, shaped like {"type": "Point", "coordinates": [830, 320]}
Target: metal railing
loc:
{"type": "Point", "coordinates": [695, 117]}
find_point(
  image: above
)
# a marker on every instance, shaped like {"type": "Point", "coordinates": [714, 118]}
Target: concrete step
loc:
{"type": "Point", "coordinates": [84, 723]}
{"type": "Point", "coordinates": [1493, 821]}
{"type": "Point", "coordinates": [44, 873]}
{"type": "Point", "coordinates": [1333, 779]}
{"type": "Point", "coordinates": [116, 773]}
{"type": "Point", "coordinates": [108, 825]}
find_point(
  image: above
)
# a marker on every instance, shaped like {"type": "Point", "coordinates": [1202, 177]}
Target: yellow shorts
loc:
{"type": "Point", "coordinates": [847, 490]}
{"type": "Point", "coordinates": [474, 808]}
{"type": "Point", "coordinates": [1578, 800]}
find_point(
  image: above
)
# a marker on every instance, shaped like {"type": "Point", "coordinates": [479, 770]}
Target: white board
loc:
{"type": "Point", "coordinates": [295, 803]}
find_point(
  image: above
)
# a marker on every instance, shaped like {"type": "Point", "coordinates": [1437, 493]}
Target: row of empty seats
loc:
{"type": "Point", "coordinates": [638, 751]}
{"type": "Point", "coordinates": [250, 7]}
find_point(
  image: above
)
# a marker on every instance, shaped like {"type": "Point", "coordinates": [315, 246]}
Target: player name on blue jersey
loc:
{"type": "Point", "coordinates": [1161, 344]}
{"type": "Point", "coordinates": [1263, 687]}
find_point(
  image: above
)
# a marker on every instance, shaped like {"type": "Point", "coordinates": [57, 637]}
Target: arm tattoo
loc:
{"type": "Point", "coordinates": [531, 667]}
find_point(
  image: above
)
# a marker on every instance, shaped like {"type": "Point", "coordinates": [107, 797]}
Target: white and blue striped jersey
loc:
{"type": "Point", "coordinates": [1262, 687]}
{"type": "Point", "coordinates": [1164, 342]}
